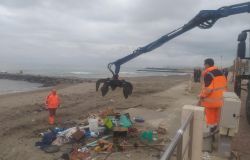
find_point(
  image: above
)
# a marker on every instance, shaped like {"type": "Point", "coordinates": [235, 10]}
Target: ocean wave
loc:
{"type": "Point", "coordinates": [79, 73]}
{"type": "Point", "coordinates": [128, 73]}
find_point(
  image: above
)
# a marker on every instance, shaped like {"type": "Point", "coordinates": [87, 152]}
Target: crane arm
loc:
{"type": "Point", "coordinates": [205, 19]}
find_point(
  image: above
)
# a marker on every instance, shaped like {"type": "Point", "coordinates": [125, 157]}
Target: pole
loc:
{"type": "Point", "coordinates": [221, 62]}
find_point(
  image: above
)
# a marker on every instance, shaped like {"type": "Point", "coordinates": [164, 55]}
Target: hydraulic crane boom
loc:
{"type": "Point", "coordinates": [205, 19]}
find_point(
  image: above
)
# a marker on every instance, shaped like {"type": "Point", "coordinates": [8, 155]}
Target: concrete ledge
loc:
{"type": "Point", "coordinates": [197, 132]}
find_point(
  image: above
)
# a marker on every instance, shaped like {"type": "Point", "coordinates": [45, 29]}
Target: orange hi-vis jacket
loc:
{"type": "Point", "coordinates": [53, 101]}
{"type": "Point", "coordinates": [211, 95]}
{"type": "Point", "coordinates": [215, 84]}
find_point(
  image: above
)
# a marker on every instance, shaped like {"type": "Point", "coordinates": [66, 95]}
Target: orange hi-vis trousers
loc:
{"type": "Point", "coordinates": [212, 115]}
{"type": "Point", "coordinates": [52, 113]}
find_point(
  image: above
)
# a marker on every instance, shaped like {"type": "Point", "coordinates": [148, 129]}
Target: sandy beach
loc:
{"type": "Point", "coordinates": [22, 115]}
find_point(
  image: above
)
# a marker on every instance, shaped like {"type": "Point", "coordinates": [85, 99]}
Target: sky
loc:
{"type": "Point", "coordinates": [88, 34]}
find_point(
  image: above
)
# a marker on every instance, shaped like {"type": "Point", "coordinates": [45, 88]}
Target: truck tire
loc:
{"type": "Point", "coordinates": [237, 86]}
{"type": "Point", "coordinates": [248, 109]}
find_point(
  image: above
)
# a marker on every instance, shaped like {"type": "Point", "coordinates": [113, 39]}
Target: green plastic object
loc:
{"type": "Point", "coordinates": [147, 135]}
{"type": "Point", "coordinates": [108, 123]}
{"type": "Point", "coordinates": [125, 122]}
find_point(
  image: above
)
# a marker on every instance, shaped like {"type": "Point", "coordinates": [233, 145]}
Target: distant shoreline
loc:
{"type": "Point", "coordinates": [46, 81]}
{"type": "Point", "coordinates": [49, 81]}
{"type": "Point", "coordinates": [168, 70]}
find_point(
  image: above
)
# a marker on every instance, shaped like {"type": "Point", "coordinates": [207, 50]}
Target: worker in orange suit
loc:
{"type": "Point", "coordinates": [211, 96]}
{"type": "Point", "coordinates": [52, 103]}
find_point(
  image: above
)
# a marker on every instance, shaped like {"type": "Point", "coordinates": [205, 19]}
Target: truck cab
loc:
{"type": "Point", "coordinates": [241, 69]}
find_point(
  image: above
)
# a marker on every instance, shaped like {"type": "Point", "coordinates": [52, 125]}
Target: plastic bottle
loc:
{"type": "Point", "coordinates": [93, 124]}
{"type": "Point", "coordinates": [155, 136]}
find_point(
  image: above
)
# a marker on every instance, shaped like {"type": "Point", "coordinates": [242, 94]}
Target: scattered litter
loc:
{"type": "Point", "coordinates": [84, 149]}
{"type": "Point", "coordinates": [155, 136]}
{"type": "Point", "coordinates": [107, 112]}
{"type": "Point", "coordinates": [147, 135]}
{"type": "Point", "coordinates": [108, 123]}
{"type": "Point", "coordinates": [120, 132]}
{"type": "Point", "coordinates": [93, 123]}
{"type": "Point", "coordinates": [103, 145]}
{"type": "Point", "coordinates": [108, 133]}
{"type": "Point", "coordinates": [68, 132]}
{"type": "Point", "coordinates": [79, 155]}
{"type": "Point", "coordinates": [60, 140]}
{"type": "Point", "coordinates": [139, 119]}
{"type": "Point", "coordinates": [161, 130]}
{"type": "Point", "coordinates": [125, 122]}
{"type": "Point", "coordinates": [47, 139]}
{"type": "Point", "coordinates": [78, 135]}
{"type": "Point", "coordinates": [93, 144]}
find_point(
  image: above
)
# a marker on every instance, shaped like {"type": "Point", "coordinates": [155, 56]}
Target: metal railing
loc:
{"type": "Point", "coordinates": [177, 141]}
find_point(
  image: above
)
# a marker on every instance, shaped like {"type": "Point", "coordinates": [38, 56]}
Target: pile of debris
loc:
{"type": "Point", "coordinates": [104, 134]}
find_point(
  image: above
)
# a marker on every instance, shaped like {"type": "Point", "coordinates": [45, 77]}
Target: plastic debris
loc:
{"type": "Point", "coordinates": [93, 134]}
{"type": "Point", "coordinates": [84, 149]}
{"type": "Point", "coordinates": [68, 132]}
{"type": "Point", "coordinates": [120, 132]}
{"type": "Point", "coordinates": [107, 112]}
{"type": "Point", "coordinates": [108, 123]}
{"type": "Point", "coordinates": [93, 144]}
{"type": "Point", "coordinates": [98, 130]}
{"type": "Point", "coordinates": [155, 136]}
{"type": "Point", "coordinates": [147, 135]}
{"type": "Point", "coordinates": [104, 145]}
{"type": "Point", "coordinates": [101, 130]}
{"type": "Point", "coordinates": [139, 119]}
{"type": "Point", "coordinates": [79, 155]}
{"type": "Point", "coordinates": [47, 139]}
{"type": "Point", "coordinates": [93, 124]}
{"type": "Point", "coordinates": [161, 130]}
{"type": "Point", "coordinates": [60, 140]}
{"type": "Point", "coordinates": [125, 122]}
{"type": "Point", "coordinates": [78, 134]}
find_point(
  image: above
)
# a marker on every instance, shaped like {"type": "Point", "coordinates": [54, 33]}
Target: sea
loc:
{"type": "Point", "coordinates": [13, 86]}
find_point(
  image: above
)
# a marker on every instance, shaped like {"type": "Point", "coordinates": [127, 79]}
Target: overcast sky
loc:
{"type": "Point", "coordinates": [88, 34]}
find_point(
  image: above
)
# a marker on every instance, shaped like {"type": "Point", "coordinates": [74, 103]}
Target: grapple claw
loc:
{"type": "Point", "coordinates": [105, 88]}
{"type": "Point", "coordinates": [98, 82]}
{"type": "Point", "coordinates": [113, 84]}
{"type": "Point", "coordinates": [127, 89]}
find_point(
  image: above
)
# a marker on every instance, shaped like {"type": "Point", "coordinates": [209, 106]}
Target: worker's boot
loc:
{"type": "Point", "coordinates": [213, 131]}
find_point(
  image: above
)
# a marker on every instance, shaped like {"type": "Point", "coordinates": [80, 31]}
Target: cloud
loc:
{"type": "Point", "coordinates": [90, 34]}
